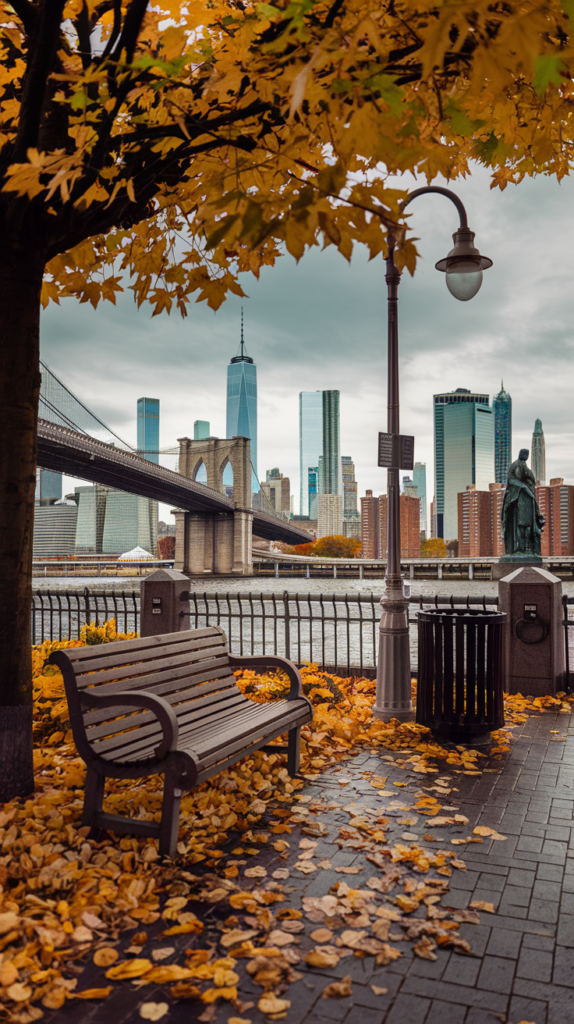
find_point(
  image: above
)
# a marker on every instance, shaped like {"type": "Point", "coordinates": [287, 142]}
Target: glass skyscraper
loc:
{"type": "Point", "coordinates": [538, 453]}
{"type": "Point", "coordinates": [331, 482]}
{"type": "Point", "coordinates": [148, 429]}
{"type": "Point", "coordinates": [310, 445]}
{"type": "Point", "coordinates": [242, 403]}
{"type": "Point", "coordinates": [502, 405]}
{"type": "Point", "coordinates": [420, 482]}
{"type": "Point", "coordinates": [463, 450]}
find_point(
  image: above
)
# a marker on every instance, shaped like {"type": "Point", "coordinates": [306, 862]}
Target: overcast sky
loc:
{"type": "Point", "coordinates": [321, 324]}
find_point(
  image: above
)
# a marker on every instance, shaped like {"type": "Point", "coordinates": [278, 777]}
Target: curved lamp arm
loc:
{"type": "Point", "coordinates": [443, 192]}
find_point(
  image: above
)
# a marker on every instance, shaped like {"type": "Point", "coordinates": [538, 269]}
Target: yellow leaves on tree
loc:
{"type": "Point", "coordinates": [244, 129]}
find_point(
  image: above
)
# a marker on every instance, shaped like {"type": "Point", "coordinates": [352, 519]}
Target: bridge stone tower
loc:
{"type": "Point", "coordinates": [216, 543]}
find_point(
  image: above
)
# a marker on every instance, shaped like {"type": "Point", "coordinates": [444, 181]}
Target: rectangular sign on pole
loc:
{"type": "Point", "coordinates": [396, 451]}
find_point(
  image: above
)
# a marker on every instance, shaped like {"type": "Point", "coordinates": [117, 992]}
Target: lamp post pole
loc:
{"type": "Point", "coordinates": [463, 267]}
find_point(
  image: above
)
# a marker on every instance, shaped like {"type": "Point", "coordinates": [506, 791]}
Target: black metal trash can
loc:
{"type": "Point", "coordinates": [459, 691]}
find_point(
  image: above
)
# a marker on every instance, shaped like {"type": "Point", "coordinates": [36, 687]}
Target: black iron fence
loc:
{"type": "Point", "coordinates": [339, 632]}
{"type": "Point", "coordinates": [60, 614]}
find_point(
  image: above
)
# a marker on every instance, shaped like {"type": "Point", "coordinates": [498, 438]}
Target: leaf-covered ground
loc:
{"type": "Point", "coordinates": [223, 911]}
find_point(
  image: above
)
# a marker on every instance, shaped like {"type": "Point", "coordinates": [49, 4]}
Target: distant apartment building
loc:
{"type": "Point", "coordinates": [479, 522]}
{"type": "Point", "coordinates": [370, 527]}
{"type": "Point", "coordinates": [351, 514]}
{"type": "Point", "coordinates": [55, 529]}
{"type": "Point", "coordinates": [48, 487]}
{"type": "Point", "coordinates": [556, 503]}
{"type": "Point", "coordinates": [330, 515]}
{"type": "Point", "coordinates": [410, 519]}
{"type": "Point", "coordinates": [276, 491]}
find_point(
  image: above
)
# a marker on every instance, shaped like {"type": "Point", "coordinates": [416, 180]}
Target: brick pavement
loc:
{"type": "Point", "coordinates": [522, 962]}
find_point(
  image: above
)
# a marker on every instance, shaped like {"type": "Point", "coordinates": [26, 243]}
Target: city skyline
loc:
{"type": "Point", "coordinates": [305, 345]}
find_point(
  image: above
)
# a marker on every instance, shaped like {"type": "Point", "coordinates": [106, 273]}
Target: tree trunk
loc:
{"type": "Point", "coordinates": [20, 283]}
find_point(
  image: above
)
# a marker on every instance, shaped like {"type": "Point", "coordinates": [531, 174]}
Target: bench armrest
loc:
{"type": "Point", "coordinates": [271, 661]}
{"type": "Point", "coordinates": [140, 699]}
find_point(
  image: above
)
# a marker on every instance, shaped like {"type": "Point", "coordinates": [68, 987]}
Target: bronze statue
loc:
{"type": "Point", "coordinates": [522, 521]}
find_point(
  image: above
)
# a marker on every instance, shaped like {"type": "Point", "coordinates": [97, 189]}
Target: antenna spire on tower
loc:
{"type": "Point", "coordinates": [242, 341]}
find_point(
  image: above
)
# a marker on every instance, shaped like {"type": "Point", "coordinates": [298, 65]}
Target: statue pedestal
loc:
{"type": "Point", "coordinates": [508, 563]}
{"type": "Point", "coordinates": [533, 632]}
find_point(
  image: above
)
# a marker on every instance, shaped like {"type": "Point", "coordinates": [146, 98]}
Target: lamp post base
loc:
{"type": "Point", "coordinates": [393, 699]}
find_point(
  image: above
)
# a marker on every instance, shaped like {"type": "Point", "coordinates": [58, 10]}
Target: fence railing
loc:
{"type": "Point", "coordinates": [60, 614]}
{"type": "Point", "coordinates": [339, 632]}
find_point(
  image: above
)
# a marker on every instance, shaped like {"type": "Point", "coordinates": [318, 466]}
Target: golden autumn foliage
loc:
{"type": "Point", "coordinates": [192, 139]}
{"type": "Point", "coordinates": [327, 547]}
{"type": "Point", "coordinates": [434, 547]}
{"type": "Point", "coordinates": [66, 899]}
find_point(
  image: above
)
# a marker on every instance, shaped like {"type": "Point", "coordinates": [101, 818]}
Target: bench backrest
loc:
{"type": "Point", "coordinates": [190, 670]}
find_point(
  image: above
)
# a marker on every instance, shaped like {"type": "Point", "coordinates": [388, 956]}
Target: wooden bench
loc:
{"type": "Point", "coordinates": [186, 718]}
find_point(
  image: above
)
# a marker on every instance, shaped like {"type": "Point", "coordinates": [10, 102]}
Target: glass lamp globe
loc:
{"type": "Point", "coordinates": [464, 266]}
{"type": "Point", "coordinates": [464, 279]}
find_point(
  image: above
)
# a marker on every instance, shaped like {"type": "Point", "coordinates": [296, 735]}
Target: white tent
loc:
{"type": "Point", "coordinates": [137, 554]}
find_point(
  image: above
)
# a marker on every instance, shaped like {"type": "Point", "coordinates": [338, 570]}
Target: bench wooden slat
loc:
{"type": "Point", "coordinates": [137, 656]}
{"type": "Point", "coordinates": [195, 721]}
{"type": "Point", "coordinates": [194, 661]}
{"type": "Point", "coordinates": [172, 692]}
{"type": "Point", "coordinates": [206, 694]}
{"type": "Point", "coordinates": [140, 644]}
{"type": "Point", "coordinates": [149, 727]}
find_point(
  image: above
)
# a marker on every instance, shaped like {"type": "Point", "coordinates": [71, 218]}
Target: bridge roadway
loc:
{"type": "Point", "coordinates": [67, 451]}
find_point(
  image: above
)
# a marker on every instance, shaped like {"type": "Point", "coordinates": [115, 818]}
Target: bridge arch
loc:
{"type": "Point", "coordinates": [199, 473]}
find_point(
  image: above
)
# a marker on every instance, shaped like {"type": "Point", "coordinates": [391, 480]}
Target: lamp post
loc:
{"type": "Point", "coordinates": [463, 267]}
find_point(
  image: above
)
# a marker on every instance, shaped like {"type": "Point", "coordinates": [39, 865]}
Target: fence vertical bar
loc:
{"type": "Point", "coordinates": [287, 625]}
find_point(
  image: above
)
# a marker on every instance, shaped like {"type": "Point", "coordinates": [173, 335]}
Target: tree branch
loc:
{"type": "Point", "coordinates": [132, 25]}
{"type": "Point", "coordinates": [26, 12]}
{"type": "Point", "coordinates": [115, 30]}
{"type": "Point", "coordinates": [82, 25]}
{"type": "Point", "coordinates": [43, 49]}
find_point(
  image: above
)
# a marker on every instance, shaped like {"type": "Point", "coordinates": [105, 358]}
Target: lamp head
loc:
{"type": "Point", "coordinates": [463, 266]}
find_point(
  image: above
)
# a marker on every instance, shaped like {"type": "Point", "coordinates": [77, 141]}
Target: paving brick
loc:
{"type": "Point", "coordinates": [504, 943]}
{"type": "Point", "coordinates": [517, 895]}
{"type": "Point", "coordinates": [543, 910]}
{"type": "Point", "coordinates": [535, 964]}
{"type": "Point", "coordinates": [522, 1008]}
{"type": "Point", "coordinates": [564, 967]}
{"type": "Point", "coordinates": [544, 942]}
{"type": "Point", "coordinates": [446, 1013]}
{"type": "Point", "coordinates": [464, 880]}
{"type": "Point", "coordinates": [565, 935]}
{"type": "Point", "coordinates": [493, 882]}
{"type": "Point", "coordinates": [409, 1008]}
{"type": "Point", "coordinates": [550, 872]}
{"type": "Point", "coordinates": [529, 844]}
{"type": "Point", "coordinates": [496, 974]}
{"type": "Point", "coordinates": [519, 876]}
{"type": "Point", "coordinates": [462, 971]}
{"type": "Point", "coordinates": [552, 848]}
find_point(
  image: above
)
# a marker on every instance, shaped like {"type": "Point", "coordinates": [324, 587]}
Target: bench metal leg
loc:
{"type": "Point", "coordinates": [293, 750]}
{"type": "Point", "coordinates": [93, 796]}
{"type": "Point", "coordinates": [169, 826]}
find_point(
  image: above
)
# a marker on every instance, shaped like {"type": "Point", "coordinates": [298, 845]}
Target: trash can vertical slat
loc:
{"type": "Point", "coordinates": [438, 683]}
{"type": "Point", "coordinates": [470, 707]}
{"type": "Point", "coordinates": [460, 688]}
{"type": "Point", "coordinates": [448, 698]}
{"type": "Point", "coordinates": [481, 680]}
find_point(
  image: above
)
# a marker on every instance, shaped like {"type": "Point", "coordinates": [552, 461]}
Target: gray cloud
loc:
{"type": "Point", "coordinates": [322, 324]}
